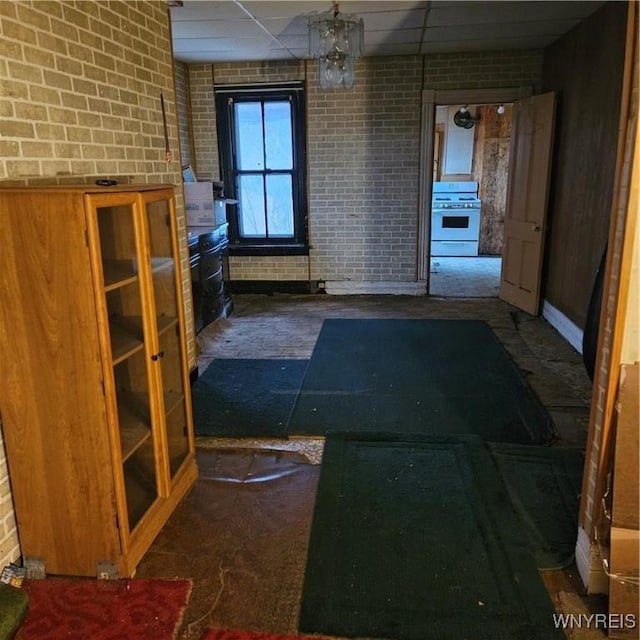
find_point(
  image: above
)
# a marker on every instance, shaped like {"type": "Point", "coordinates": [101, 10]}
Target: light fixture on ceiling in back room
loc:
{"type": "Point", "coordinates": [500, 110]}
{"type": "Point", "coordinates": [463, 118]}
{"type": "Point", "coordinates": [336, 40]}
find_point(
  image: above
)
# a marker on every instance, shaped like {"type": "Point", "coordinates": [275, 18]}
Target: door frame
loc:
{"type": "Point", "coordinates": [430, 99]}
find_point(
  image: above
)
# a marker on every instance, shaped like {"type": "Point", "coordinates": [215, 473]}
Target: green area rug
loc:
{"type": "Point", "coordinates": [544, 484]}
{"type": "Point", "coordinates": [435, 377]}
{"type": "Point", "coordinates": [14, 604]}
{"type": "Point", "coordinates": [416, 539]}
{"type": "Point", "coordinates": [246, 397]}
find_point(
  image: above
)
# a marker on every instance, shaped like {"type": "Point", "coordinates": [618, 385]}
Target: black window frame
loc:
{"type": "Point", "coordinates": [225, 98]}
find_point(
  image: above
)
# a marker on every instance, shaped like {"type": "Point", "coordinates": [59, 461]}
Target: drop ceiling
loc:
{"type": "Point", "coordinates": [236, 30]}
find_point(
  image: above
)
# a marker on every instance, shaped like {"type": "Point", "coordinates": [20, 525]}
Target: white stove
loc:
{"type": "Point", "coordinates": [455, 219]}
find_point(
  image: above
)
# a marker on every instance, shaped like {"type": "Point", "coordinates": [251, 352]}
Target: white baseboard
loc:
{"type": "Point", "coordinates": [565, 327]}
{"type": "Point", "coordinates": [589, 563]}
{"type": "Point", "coordinates": [352, 287]}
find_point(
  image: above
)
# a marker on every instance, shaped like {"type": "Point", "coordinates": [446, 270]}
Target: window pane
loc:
{"type": "Point", "coordinates": [251, 220]}
{"type": "Point", "coordinates": [280, 206]}
{"type": "Point", "coordinates": [278, 136]}
{"type": "Point", "coordinates": [249, 142]}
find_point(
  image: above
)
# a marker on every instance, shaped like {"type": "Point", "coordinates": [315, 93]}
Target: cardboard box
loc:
{"type": "Point", "coordinates": [202, 208]}
{"type": "Point", "coordinates": [624, 595]}
{"type": "Point", "coordinates": [626, 473]}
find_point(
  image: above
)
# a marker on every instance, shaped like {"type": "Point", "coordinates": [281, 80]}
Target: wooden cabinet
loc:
{"type": "Point", "coordinates": [94, 381]}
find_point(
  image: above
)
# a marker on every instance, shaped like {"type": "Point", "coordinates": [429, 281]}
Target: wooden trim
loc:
{"type": "Point", "coordinates": [430, 99]}
{"type": "Point", "coordinates": [477, 96]}
{"type": "Point", "coordinates": [156, 517]}
{"type": "Point", "coordinates": [91, 204]}
{"type": "Point", "coordinates": [182, 322]}
{"type": "Point", "coordinates": [607, 377]}
{"type": "Point", "coordinates": [427, 121]}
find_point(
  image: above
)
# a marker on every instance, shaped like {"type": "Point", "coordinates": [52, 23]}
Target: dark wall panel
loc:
{"type": "Point", "coordinates": [585, 68]}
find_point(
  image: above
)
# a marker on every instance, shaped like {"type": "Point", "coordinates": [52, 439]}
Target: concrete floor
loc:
{"type": "Point", "coordinates": [243, 542]}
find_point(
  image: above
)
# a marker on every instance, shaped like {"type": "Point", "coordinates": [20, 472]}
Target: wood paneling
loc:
{"type": "Point", "coordinates": [585, 67]}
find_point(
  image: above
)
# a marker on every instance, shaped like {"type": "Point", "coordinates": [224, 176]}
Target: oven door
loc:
{"type": "Point", "coordinates": [455, 224]}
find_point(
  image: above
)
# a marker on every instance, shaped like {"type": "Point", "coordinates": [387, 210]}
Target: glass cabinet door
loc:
{"type": "Point", "coordinates": [131, 379]}
{"type": "Point", "coordinates": [167, 321]}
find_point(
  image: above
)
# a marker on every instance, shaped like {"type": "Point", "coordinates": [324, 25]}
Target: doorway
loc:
{"type": "Point", "coordinates": [469, 187]}
{"type": "Point", "coordinates": [485, 163]}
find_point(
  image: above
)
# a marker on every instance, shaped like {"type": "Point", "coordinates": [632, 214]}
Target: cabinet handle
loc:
{"type": "Point", "coordinates": [158, 355]}
{"type": "Point", "coordinates": [161, 354]}
{"type": "Point", "coordinates": [154, 357]}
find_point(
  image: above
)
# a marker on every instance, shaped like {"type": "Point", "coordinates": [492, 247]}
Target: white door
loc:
{"type": "Point", "coordinates": [527, 198]}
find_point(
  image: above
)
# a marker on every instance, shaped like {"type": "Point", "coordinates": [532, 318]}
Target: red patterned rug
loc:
{"type": "Point", "coordinates": [68, 609]}
{"type": "Point", "coordinates": [237, 634]}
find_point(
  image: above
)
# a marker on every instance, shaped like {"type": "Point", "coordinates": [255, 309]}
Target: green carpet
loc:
{"type": "Point", "coordinates": [544, 484]}
{"type": "Point", "coordinates": [245, 397]}
{"type": "Point", "coordinates": [416, 539]}
{"type": "Point", "coordinates": [434, 377]}
{"type": "Point", "coordinates": [14, 604]}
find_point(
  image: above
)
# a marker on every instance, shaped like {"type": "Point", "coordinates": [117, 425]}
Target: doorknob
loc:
{"type": "Point", "coordinates": [535, 227]}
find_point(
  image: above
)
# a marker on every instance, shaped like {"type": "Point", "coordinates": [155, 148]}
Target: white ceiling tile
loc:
{"type": "Point", "coordinates": [378, 21]}
{"type": "Point", "coordinates": [206, 10]}
{"type": "Point", "coordinates": [496, 31]}
{"type": "Point", "coordinates": [397, 49]}
{"type": "Point", "coordinates": [404, 36]}
{"type": "Point", "coordinates": [506, 44]}
{"type": "Point", "coordinates": [221, 44]}
{"type": "Point", "coordinates": [209, 31]}
{"type": "Point", "coordinates": [269, 9]}
{"type": "Point", "coordinates": [496, 12]}
{"type": "Point", "coordinates": [289, 26]}
{"type": "Point", "coordinates": [216, 29]}
{"type": "Point", "coordinates": [295, 42]}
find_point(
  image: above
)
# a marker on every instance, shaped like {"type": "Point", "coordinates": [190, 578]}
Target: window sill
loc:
{"type": "Point", "coordinates": [268, 250]}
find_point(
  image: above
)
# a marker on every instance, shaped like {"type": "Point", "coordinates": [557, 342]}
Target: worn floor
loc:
{"type": "Point", "coordinates": [241, 534]}
{"type": "Point", "coordinates": [469, 277]}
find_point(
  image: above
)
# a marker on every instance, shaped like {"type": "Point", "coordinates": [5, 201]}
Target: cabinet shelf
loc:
{"type": "Point", "coordinates": [172, 401]}
{"type": "Point", "coordinates": [118, 273]}
{"type": "Point", "coordinates": [135, 422]}
{"type": "Point", "coordinates": [126, 336]}
{"type": "Point", "coordinates": [165, 323]}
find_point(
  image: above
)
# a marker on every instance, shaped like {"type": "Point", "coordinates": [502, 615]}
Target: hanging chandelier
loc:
{"type": "Point", "coordinates": [336, 40]}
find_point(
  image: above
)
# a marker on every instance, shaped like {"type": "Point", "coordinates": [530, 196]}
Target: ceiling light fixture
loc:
{"type": "Point", "coordinates": [336, 40]}
{"type": "Point", "coordinates": [500, 109]}
{"type": "Point", "coordinates": [463, 117]}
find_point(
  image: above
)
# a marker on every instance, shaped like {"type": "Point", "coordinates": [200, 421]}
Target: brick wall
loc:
{"type": "Point", "coordinates": [203, 122]}
{"type": "Point", "coordinates": [279, 268]}
{"type": "Point", "coordinates": [80, 86]}
{"type": "Point", "coordinates": [363, 154]}
{"type": "Point", "coordinates": [9, 544]}
{"type": "Point", "coordinates": [181, 74]}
